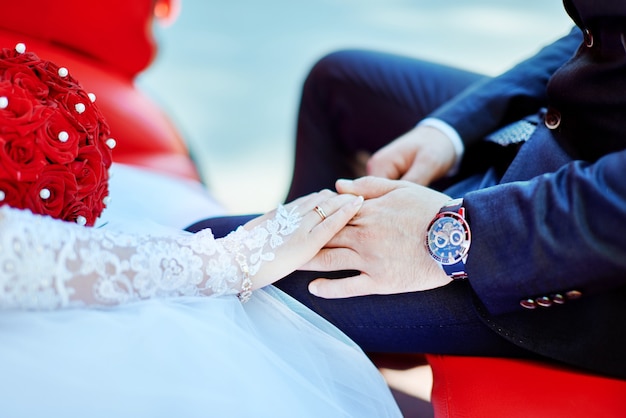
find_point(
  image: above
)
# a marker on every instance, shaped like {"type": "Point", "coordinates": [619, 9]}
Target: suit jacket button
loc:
{"type": "Point", "coordinates": [573, 294]}
{"type": "Point", "coordinates": [544, 302]}
{"type": "Point", "coordinates": [559, 299]}
{"type": "Point", "coordinates": [528, 304]}
{"type": "Point", "coordinates": [588, 38]}
{"type": "Point", "coordinates": [553, 119]}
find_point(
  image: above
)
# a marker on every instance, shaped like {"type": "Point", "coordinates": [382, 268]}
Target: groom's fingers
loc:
{"type": "Point", "coordinates": [333, 259]}
{"type": "Point", "coordinates": [369, 187]}
{"type": "Point", "coordinates": [360, 285]}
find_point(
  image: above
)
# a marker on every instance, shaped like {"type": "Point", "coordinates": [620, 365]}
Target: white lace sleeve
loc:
{"type": "Point", "coordinates": [50, 264]}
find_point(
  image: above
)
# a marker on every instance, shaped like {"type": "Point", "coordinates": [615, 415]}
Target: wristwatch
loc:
{"type": "Point", "coordinates": [448, 239]}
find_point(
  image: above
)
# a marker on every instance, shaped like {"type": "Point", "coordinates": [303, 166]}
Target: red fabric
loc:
{"type": "Point", "coordinates": [115, 32]}
{"type": "Point", "coordinates": [468, 387]}
{"type": "Point", "coordinates": [104, 45]}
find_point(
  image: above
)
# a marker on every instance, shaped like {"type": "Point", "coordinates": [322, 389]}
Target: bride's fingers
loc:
{"type": "Point", "coordinates": [327, 217]}
{"type": "Point", "coordinates": [308, 202]}
{"type": "Point", "coordinates": [314, 231]}
{"type": "Point", "coordinates": [301, 205]}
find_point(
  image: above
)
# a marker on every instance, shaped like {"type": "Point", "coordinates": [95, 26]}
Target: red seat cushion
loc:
{"type": "Point", "coordinates": [492, 387]}
{"type": "Point", "coordinates": [104, 45]}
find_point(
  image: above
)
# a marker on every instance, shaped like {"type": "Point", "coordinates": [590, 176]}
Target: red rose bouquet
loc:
{"type": "Point", "coordinates": [55, 147]}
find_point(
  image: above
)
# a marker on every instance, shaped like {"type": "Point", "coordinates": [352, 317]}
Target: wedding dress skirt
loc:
{"type": "Point", "coordinates": [193, 357]}
{"type": "Point", "coordinates": [185, 356]}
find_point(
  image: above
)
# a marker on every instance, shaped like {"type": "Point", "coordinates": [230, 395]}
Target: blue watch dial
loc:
{"type": "Point", "coordinates": [448, 238]}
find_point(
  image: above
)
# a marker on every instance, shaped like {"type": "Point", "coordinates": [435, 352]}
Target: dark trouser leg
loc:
{"type": "Point", "coordinates": [437, 321]}
{"type": "Point", "coordinates": [358, 101]}
{"type": "Point", "coordinates": [221, 226]}
{"type": "Point", "coordinates": [442, 321]}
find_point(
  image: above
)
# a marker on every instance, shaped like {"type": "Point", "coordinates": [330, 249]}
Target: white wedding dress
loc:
{"type": "Point", "coordinates": [164, 349]}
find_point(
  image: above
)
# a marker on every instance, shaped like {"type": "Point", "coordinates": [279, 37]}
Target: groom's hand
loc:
{"type": "Point", "coordinates": [422, 155]}
{"type": "Point", "coordinates": [385, 241]}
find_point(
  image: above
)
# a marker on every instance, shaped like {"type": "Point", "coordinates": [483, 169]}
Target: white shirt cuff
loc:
{"type": "Point", "coordinates": [453, 136]}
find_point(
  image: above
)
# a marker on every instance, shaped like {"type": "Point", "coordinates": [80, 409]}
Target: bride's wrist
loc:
{"type": "Point", "coordinates": [246, 283]}
{"type": "Point", "coordinates": [233, 244]}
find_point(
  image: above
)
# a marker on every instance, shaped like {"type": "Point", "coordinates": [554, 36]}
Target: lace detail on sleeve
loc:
{"type": "Point", "coordinates": [50, 264]}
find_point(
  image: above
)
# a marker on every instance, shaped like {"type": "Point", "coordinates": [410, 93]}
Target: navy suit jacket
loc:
{"type": "Point", "coordinates": [553, 232]}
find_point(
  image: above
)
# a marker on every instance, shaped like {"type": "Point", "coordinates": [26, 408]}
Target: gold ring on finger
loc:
{"type": "Point", "coordinates": [320, 212]}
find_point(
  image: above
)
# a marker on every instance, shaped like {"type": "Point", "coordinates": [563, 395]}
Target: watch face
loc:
{"type": "Point", "coordinates": [448, 238]}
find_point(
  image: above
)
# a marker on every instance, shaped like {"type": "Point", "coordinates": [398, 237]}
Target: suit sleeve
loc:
{"type": "Point", "coordinates": [557, 232]}
{"type": "Point", "coordinates": [486, 105]}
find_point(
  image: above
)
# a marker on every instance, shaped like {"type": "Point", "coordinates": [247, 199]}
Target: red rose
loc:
{"type": "Point", "coordinates": [61, 188]}
{"type": "Point", "coordinates": [49, 73]}
{"type": "Point", "coordinates": [82, 112]}
{"type": "Point", "coordinates": [11, 193]}
{"type": "Point", "coordinates": [25, 77]}
{"type": "Point", "coordinates": [93, 204]}
{"type": "Point", "coordinates": [9, 57]}
{"type": "Point", "coordinates": [88, 170]}
{"type": "Point", "coordinates": [57, 138]}
{"type": "Point", "coordinates": [101, 142]}
{"type": "Point", "coordinates": [22, 114]}
{"type": "Point", "coordinates": [76, 210]}
{"type": "Point", "coordinates": [19, 159]}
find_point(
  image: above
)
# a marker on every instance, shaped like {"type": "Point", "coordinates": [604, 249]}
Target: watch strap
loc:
{"type": "Point", "coordinates": [455, 205]}
{"type": "Point", "coordinates": [455, 271]}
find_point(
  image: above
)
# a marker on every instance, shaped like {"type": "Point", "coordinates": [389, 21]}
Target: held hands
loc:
{"type": "Point", "coordinates": [323, 214]}
{"type": "Point", "coordinates": [385, 242]}
{"type": "Point", "coordinates": [422, 155]}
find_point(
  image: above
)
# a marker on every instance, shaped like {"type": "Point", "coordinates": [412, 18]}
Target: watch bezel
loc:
{"type": "Point", "coordinates": [464, 246]}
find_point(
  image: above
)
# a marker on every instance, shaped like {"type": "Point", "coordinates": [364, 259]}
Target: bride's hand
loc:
{"type": "Point", "coordinates": [316, 227]}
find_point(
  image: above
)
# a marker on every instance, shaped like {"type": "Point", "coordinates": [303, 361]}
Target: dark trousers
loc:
{"type": "Point", "coordinates": [358, 101]}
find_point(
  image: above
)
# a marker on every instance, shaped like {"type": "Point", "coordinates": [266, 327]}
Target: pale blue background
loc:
{"type": "Point", "coordinates": [229, 72]}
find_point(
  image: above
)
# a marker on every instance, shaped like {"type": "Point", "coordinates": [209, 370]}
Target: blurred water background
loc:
{"type": "Point", "coordinates": [229, 72]}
